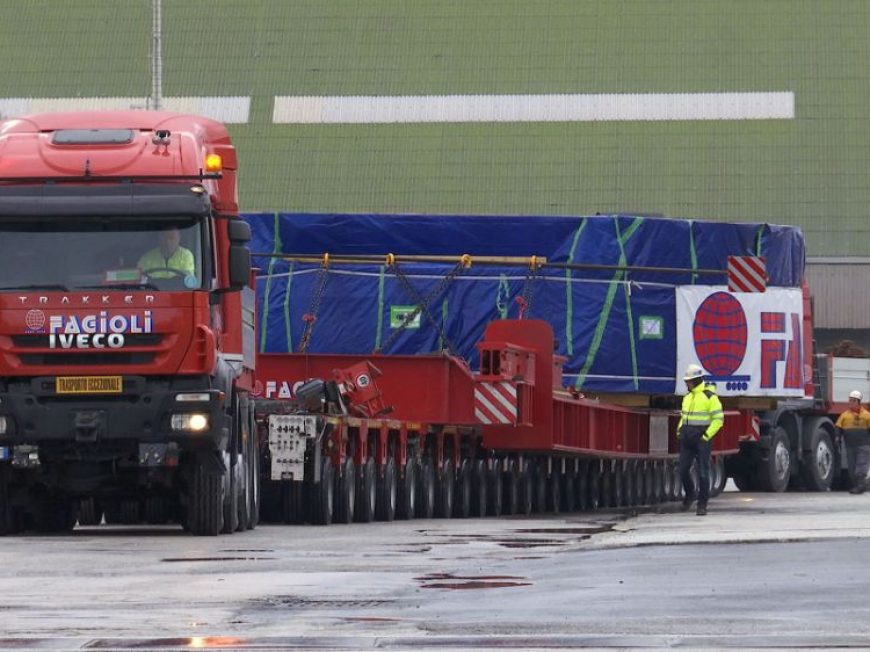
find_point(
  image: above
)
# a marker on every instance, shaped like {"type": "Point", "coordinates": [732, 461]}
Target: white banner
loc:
{"type": "Point", "coordinates": [749, 343]}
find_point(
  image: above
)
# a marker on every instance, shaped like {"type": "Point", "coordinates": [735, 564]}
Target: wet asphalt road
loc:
{"type": "Point", "coordinates": [760, 571]}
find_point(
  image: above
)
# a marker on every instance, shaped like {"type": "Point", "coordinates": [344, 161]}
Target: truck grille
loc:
{"type": "Point", "coordinates": [40, 341]}
{"type": "Point", "coordinates": [66, 358]}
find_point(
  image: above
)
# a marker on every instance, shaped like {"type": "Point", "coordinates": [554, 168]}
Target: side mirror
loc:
{"type": "Point", "coordinates": [239, 266]}
{"type": "Point", "coordinates": [238, 231]}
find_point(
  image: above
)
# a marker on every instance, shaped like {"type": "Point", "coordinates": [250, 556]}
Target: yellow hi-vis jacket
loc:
{"type": "Point", "coordinates": [702, 408]}
{"type": "Point", "coordinates": [181, 261]}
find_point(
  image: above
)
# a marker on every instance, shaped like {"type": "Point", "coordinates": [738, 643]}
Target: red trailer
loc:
{"type": "Point", "coordinates": [405, 436]}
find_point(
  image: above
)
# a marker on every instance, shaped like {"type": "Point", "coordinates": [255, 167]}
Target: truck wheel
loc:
{"type": "Point", "coordinates": [495, 488]}
{"type": "Point", "coordinates": [366, 492]}
{"type": "Point", "coordinates": [90, 511]}
{"type": "Point", "coordinates": [387, 492]}
{"type": "Point", "coordinates": [629, 495]}
{"type": "Point", "coordinates": [640, 483]}
{"type": "Point", "coordinates": [156, 511]}
{"type": "Point", "coordinates": [569, 491]}
{"type": "Point", "coordinates": [462, 492]}
{"type": "Point", "coordinates": [426, 497]}
{"type": "Point", "coordinates": [583, 486]}
{"type": "Point", "coordinates": [650, 484]}
{"type": "Point", "coordinates": [8, 517]}
{"type": "Point", "coordinates": [130, 512]}
{"type": "Point", "coordinates": [479, 488]}
{"type": "Point", "coordinates": [231, 496]}
{"type": "Point", "coordinates": [205, 513]}
{"type": "Point", "coordinates": [253, 474]}
{"type": "Point", "coordinates": [244, 484]}
{"type": "Point", "coordinates": [818, 467]}
{"type": "Point", "coordinates": [773, 473]}
{"type": "Point", "coordinates": [345, 492]}
{"type": "Point", "coordinates": [511, 488]}
{"type": "Point", "coordinates": [56, 514]}
{"type": "Point", "coordinates": [325, 494]}
{"type": "Point", "coordinates": [444, 494]}
{"type": "Point", "coordinates": [527, 489]}
{"type": "Point", "coordinates": [407, 504]}
{"type": "Point", "coordinates": [292, 505]}
{"type": "Point", "coordinates": [617, 497]}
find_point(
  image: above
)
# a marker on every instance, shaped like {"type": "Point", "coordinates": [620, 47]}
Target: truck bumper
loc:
{"type": "Point", "coordinates": [145, 411]}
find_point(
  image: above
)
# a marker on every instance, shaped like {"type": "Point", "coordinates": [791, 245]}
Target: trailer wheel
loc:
{"type": "Point", "coordinates": [582, 485]}
{"type": "Point", "coordinates": [205, 512]}
{"type": "Point", "coordinates": [55, 514]}
{"type": "Point", "coordinates": [527, 491]}
{"type": "Point", "coordinates": [717, 473]}
{"type": "Point", "coordinates": [292, 503]}
{"type": "Point", "coordinates": [605, 496]}
{"type": "Point", "coordinates": [569, 491]}
{"type": "Point", "coordinates": [773, 473]}
{"type": "Point", "coordinates": [387, 492]}
{"type": "Point", "coordinates": [540, 486]}
{"type": "Point", "coordinates": [366, 493]}
{"type": "Point", "coordinates": [640, 483]}
{"type": "Point", "coordinates": [464, 490]}
{"type": "Point", "coordinates": [554, 492]}
{"type": "Point", "coordinates": [324, 502]}
{"type": "Point", "coordinates": [629, 497]}
{"type": "Point", "coordinates": [407, 500]}
{"type": "Point", "coordinates": [345, 492]}
{"type": "Point", "coordinates": [650, 484]}
{"type": "Point", "coordinates": [818, 466]}
{"type": "Point", "coordinates": [593, 487]}
{"type": "Point", "coordinates": [130, 512]}
{"type": "Point", "coordinates": [479, 488]}
{"type": "Point", "coordinates": [511, 488]}
{"type": "Point", "coordinates": [666, 482]}
{"type": "Point", "coordinates": [254, 472]}
{"type": "Point", "coordinates": [8, 517]}
{"type": "Point", "coordinates": [90, 512]}
{"type": "Point", "coordinates": [155, 510]}
{"type": "Point", "coordinates": [616, 473]}
{"type": "Point", "coordinates": [426, 497]}
{"type": "Point", "coordinates": [446, 484]}
{"type": "Point", "coordinates": [495, 490]}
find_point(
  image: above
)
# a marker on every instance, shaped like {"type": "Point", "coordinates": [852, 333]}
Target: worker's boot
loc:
{"type": "Point", "coordinates": [686, 504]}
{"type": "Point", "coordinates": [857, 489]}
{"type": "Point", "coordinates": [702, 510]}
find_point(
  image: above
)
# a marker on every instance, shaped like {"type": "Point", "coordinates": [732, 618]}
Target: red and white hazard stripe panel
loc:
{"type": "Point", "coordinates": [495, 402]}
{"type": "Point", "coordinates": [747, 274]}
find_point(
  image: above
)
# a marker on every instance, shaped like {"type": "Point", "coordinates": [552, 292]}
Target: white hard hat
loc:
{"type": "Point", "coordinates": [693, 371]}
{"type": "Point", "coordinates": [856, 394]}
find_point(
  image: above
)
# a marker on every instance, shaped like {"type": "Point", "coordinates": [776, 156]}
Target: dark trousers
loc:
{"type": "Point", "coordinates": [693, 447]}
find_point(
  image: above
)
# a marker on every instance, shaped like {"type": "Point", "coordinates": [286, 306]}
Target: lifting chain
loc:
{"type": "Point", "coordinates": [524, 301]}
{"type": "Point", "coordinates": [310, 317]}
{"type": "Point", "coordinates": [423, 303]}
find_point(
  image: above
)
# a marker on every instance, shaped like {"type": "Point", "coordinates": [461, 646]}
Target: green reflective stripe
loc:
{"type": "Point", "coordinates": [718, 414]}
{"type": "Point", "coordinates": [569, 295]}
{"type": "Point", "coordinates": [598, 335]}
{"type": "Point", "coordinates": [264, 320]}
{"type": "Point", "coordinates": [758, 237]}
{"type": "Point", "coordinates": [287, 308]}
{"type": "Point", "coordinates": [379, 327]}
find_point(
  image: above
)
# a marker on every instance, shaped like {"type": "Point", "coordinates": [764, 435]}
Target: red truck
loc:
{"type": "Point", "coordinates": [126, 324]}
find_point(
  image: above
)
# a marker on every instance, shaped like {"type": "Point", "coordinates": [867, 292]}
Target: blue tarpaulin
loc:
{"type": "Point", "coordinates": [616, 326]}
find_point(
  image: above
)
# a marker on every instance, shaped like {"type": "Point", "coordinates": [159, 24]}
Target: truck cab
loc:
{"type": "Point", "coordinates": [126, 324]}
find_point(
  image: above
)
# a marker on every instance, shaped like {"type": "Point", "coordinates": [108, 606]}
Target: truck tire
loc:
{"type": "Point", "coordinates": [324, 494]}
{"type": "Point", "coordinates": [479, 488]}
{"type": "Point", "coordinates": [667, 482]}
{"type": "Point", "coordinates": [130, 512]}
{"type": "Point", "coordinates": [628, 492]}
{"type": "Point", "coordinates": [569, 491]}
{"type": "Point", "coordinates": [650, 486]}
{"type": "Point", "coordinates": [205, 513]}
{"type": "Point", "coordinates": [244, 484]}
{"type": "Point", "coordinates": [495, 488]}
{"type": "Point", "coordinates": [817, 469]}
{"type": "Point", "coordinates": [527, 492]}
{"type": "Point", "coordinates": [254, 472]}
{"type": "Point", "coordinates": [540, 469]}
{"type": "Point", "coordinates": [445, 493]}
{"type": "Point", "coordinates": [593, 487]}
{"type": "Point", "coordinates": [426, 485]}
{"type": "Point", "coordinates": [407, 504]}
{"type": "Point", "coordinates": [292, 502]}
{"type": "Point", "coordinates": [56, 514]}
{"type": "Point", "coordinates": [155, 510]}
{"type": "Point", "coordinates": [366, 492]}
{"type": "Point", "coordinates": [773, 472]}
{"type": "Point", "coordinates": [463, 490]}
{"type": "Point", "coordinates": [717, 475]}
{"type": "Point", "coordinates": [583, 486]}
{"type": "Point", "coordinates": [605, 491]}
{"type": "Point", "coordinates": [387, 492]}
{"type": "Point", "coordinates": [345, 492]}
{"type": "Point", "coordinates": [231, 496]}
{"type": "Point", "coordinates": [554, 492]}
{"type": "Point", "coordinates": [90, 511]}
{"type": "Point", "coordinates": [8, 517]}
{"type": "Point", "coordinates": [618, 482]}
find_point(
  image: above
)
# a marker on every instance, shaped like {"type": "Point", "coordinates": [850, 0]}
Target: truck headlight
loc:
{"type": "Point", "coordinates": [191, 422]}
{"type": "Point", "coordinates": [2, 425]}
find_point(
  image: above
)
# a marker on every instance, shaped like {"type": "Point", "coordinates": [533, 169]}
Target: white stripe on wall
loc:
{"type": "Point", "coordinates": [229, 110]}
{"type": "Point", "coordinates": [533, 108]}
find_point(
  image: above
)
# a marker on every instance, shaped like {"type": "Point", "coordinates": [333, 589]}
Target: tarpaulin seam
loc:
{"type": "Point", "coordinates": [598, 335]}
{"type": "Point", "coordinates": [569, 298]}
{"type": "Point", "coordinates": [380, 309]}
{"type": "Point", "coordinates": [287, 309]}
{"type": "Point", "coordinates": [276, 249]}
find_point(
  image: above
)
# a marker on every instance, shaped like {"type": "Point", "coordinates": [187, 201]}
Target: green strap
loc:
{"type": "Point", "coordinates": [569, 295]}
{"type": "Point", "coordinates": [631, 229]}
{"type": "Point", "coordinates": [693, 254]}
{"type": "Point", "coordinates": [758, 237]}
{"type": "Point", "coordinates": [379, 317]}
{"type": "Point", "coordinates": [502, 296]}
{"type": "Point", "coordinates": [287, 308]}
{"type": "Point", "coordinates": [276, 249]}
{"type": "Point", "coordinates": [598, 335]}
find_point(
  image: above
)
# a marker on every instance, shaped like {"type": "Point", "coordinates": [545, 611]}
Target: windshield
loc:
{"type": "Point", "coordinates": [64, 253]}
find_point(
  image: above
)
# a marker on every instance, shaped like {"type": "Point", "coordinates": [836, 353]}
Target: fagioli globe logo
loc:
{"type": "Point", "coordinates": [720, 333]}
